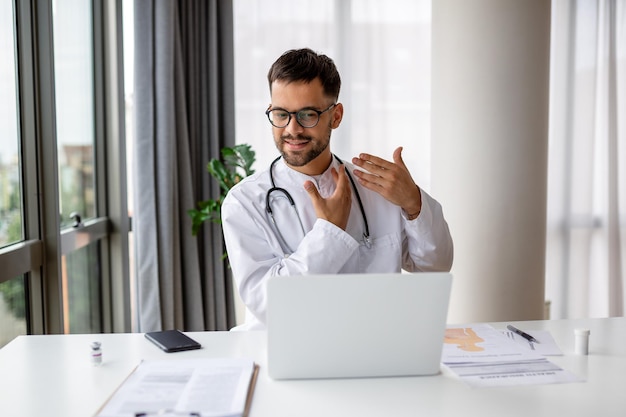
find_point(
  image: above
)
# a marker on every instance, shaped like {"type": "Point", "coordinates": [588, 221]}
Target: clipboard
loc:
{"type": "Point", "coordinates": [116, 402]}
{"type": "Point", "coordinates": [253, 378]}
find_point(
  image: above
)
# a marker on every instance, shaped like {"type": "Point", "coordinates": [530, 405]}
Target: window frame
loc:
{"type": "Point", "coordinates": [38, 256]}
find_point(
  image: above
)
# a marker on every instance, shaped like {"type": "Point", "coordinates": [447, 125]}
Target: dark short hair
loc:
{"type": "Point", "coordinates": [306, 65]}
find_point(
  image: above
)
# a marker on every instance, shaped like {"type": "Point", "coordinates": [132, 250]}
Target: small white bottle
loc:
{"type": "Point", "coordinates": [96, 353]}
{"type": "Point", "coordinates": [581, 341]}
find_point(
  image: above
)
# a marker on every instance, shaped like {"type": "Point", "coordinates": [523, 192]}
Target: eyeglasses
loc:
{"type": "Point", "coordinates": [306, 117]}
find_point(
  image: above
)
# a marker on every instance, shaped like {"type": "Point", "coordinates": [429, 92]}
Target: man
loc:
{"type": "Point", "coordinates": [309, 212]}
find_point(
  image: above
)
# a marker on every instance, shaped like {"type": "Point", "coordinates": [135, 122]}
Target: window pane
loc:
{"type": "Point", "coordinates": [12, 310]}
{"type": "Point", "coordinates": [10, 195]}
{"type": "Point", "coordinates": [74, 91]}
{"type": "Point", "coordinates": [82, 290]}
{"type": "Point", "coordinates": [75, 124]}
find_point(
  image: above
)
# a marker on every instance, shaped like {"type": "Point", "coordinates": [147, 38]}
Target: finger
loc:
{"type": "Point", "coordinates": [372, 163]}
{"type": "Point", "coordinates": [375, 174]}
{"type": "Point", "coordinates": [312, 191]}
{"type": "Point", "coordinates": [397, 158]}
{"type": "Point", "coordinates": [340, 177]}
{"type": "Point", "coordinates": [371, 181]}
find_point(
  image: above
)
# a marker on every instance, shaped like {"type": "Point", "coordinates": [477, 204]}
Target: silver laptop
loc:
{"type": "Point", "coordinates": [356, 325]}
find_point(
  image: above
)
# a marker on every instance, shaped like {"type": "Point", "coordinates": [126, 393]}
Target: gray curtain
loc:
{"type": "Point", "coordinates": [184, 114]}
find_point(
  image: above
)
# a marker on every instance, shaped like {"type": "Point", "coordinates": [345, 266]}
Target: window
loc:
{"type": "Point", "coordinates": [62, 173]}
{"type": "Point", "coordinates": [12, 291]}
{"type": "Point", "coordinates": [586, 201]}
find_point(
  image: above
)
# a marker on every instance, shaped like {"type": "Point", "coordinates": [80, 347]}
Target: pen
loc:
{"type": "Point", "coordinates": [523, 334]}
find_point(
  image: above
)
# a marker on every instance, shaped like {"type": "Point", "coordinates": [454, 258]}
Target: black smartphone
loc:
{"type": "Point", "coordinates": [172, 341]}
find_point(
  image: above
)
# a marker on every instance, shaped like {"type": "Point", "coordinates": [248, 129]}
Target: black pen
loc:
{"type": "Point", "coordinates": [523, 334]}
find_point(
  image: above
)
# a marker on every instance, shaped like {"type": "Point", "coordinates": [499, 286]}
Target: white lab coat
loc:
{"type": "Point", "coordinates": [256, 252]}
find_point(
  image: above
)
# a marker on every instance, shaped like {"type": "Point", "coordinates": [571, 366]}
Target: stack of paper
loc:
{"type": "Point", "coordinates": [483, 357]}
{"type": "Point", "coordinates": [207, 387]}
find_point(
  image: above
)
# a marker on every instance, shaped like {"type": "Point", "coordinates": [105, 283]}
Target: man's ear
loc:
{"type": "Point", "coordinates": [337, 115]}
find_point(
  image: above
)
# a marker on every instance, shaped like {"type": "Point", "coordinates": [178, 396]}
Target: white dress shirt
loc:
{"type": "Point", "coordinates": [257, 252]}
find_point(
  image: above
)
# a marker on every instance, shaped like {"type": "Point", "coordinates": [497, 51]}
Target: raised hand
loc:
{"type": "Point", "coordinates": [335, 208]}
{"type": "Point", "coordinates": [392, 180]}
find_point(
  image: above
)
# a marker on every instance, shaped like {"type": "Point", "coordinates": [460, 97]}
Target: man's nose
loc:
{"type": "Point", "coordinates": [293, 127]}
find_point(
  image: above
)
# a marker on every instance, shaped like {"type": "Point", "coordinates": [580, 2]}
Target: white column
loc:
{"type": "Point", "coordinates": [490, 79]}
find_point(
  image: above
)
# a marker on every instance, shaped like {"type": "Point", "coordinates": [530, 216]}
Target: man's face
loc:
{"type": "Point", "coordinates": [305, 148]}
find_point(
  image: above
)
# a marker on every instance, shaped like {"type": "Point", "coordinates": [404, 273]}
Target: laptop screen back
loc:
{"type": "Point", "coordinates": [356, 325]}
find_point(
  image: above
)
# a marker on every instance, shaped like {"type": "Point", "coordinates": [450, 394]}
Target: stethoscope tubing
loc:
{"type": "Point", "coordinates": [274, 188]}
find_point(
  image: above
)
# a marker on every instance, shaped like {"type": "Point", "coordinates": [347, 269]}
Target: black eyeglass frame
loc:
{"type": "Point", "coordinates": [296, 113]}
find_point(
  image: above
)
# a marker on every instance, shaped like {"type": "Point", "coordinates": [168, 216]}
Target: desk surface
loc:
{"type": "Point", "coordinates": [53, 376]}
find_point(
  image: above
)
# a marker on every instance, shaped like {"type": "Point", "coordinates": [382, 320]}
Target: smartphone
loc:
{"type": "Point", "coordinates": [172, 341]}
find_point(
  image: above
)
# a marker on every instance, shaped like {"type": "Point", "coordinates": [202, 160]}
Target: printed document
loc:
{"type": "Point", "coordinates": [485, 357]}
{"type": "Point", "coordinates": [209, 387]}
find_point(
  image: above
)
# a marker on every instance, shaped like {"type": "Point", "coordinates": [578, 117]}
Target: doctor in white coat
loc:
{"type": "Point", "coordinates": [312, 213]}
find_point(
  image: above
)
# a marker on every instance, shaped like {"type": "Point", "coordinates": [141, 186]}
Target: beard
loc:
{"type": "Point", "coordinates": [299, 159]}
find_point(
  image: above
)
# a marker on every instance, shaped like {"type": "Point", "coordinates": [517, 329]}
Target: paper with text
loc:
{"type": "Point", "coordinates": [485, 357]}
{"type": "Point", "coordinates": [210, 387]}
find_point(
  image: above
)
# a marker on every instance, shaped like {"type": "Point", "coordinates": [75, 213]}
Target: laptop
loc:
{"type": "Point", "coordinates": [356, 325]}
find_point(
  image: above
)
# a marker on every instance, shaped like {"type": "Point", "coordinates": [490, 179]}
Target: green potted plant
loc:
{"type": "Point", "coordinates": [237, 165]}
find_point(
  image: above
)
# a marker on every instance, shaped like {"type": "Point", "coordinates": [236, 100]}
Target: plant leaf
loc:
{"type": "Point", "coordinates": [226, 173]}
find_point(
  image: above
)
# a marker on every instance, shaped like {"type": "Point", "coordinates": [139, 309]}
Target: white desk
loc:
{"type": "Point", "coordinates": [52, 376]}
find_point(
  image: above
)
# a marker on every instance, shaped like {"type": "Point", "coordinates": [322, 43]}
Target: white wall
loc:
{"type": "Point", "coordinates": [490, 78]}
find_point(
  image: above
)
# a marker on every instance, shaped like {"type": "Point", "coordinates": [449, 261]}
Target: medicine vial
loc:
{"type": "Point", "coordinates": [581, 341]}
{"type": "Point", "coordinates": [96, 354]}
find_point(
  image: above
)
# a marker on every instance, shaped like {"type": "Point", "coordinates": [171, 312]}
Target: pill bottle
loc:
{"type": "Point", "coordinates": [581, 341]}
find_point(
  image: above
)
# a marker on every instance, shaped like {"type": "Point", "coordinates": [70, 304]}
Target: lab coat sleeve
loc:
{"type": "Point", "coordinates": [428, 244]}
{"type": "Point", "coordinates": [255, 255]}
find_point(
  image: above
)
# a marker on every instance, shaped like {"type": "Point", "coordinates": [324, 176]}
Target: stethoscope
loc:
{"type": "Point", "coordinates": [366, 234]}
